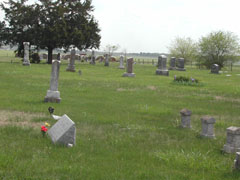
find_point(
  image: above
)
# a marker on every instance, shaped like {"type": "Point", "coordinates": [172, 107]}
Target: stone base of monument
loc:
{"type": "Point", "coordinates": [26, 64]}
{"type": "Point", "coordinates": [106, 64]}
{"type": "Point", "coordinates": [63, 132]}
{"type": "Point", "coordinates": [230, 149]}
{"type": "Point", "coordinates": [171, 68]}
{"type": "Point", "coordinates": [162, 72]}
{"type": "Point", "coordinates": [214, 72]}
{"type": "Point", "coordinates": [52, 96]}
{"type": "Point", "coordinates": [181, 69]}
{"type": "Point", "coordinates": [128, 75]}
{"type": "Point", "coordinates": [121, 67]}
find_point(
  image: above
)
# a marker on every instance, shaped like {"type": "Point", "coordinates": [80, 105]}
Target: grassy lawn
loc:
{"type": "Point", "coordinates": [127, 128]}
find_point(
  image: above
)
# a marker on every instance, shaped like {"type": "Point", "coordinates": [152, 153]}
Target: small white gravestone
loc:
{"type": "Point", "coordinates": [63, 131]}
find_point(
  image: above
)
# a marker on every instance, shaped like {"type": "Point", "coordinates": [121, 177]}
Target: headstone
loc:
{"type": "Point", "coordinates": [233, 140]}
{"type": "Point", "coordinates": [215, 69]}
{"type": "Point", "coordinates": [53, 95]}
{"type": "Point", "coordinates": [208, 126]}
{"type": "Point", "coordinates": [63, 131]}
{"type": "Point", "coordinates": [106, 60]}
{"type": "Point", "coordinates": [180, 64]}
{"type": "Point", "coordinates": [162, 66]}
{"type": "Point", "coordinates": [129, 67]}
{"type": "Point", "coordinates": [172, 63]}
{"type": "Point", "coordinates": [26, 61]}
{"type": "Point", "coordinates": [185, 118]}
{"type": "Point", "coordinates": [121, 66]}
{"type": "Point", "coordinates": [93, 59]}
{"type": "Point", "coordinates": [71, 65]}
{"type": "Point", "coordinates": [59, 57]}
{"type": "Point", "coordinates": [237, 161]}
{"type": "Point", "coordinates": [45, 56]}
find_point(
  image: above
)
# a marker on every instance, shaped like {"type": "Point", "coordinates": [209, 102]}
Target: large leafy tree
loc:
{"type": "Point", "coordinates": [218, 47]}
{"type": "Point", "coordinates": [51, 24]}
{"type": "Point", "coordinates": [183, 48]}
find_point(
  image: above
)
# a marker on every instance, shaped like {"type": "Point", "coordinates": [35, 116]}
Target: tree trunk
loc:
{"type": "Point", "coordinates": [50, 51]}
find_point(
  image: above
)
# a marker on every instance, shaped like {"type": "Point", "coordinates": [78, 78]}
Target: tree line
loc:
{"type": "Point", "coordinates": [49, 24]}
{"type": "Point", "coordinates": [215, 48]}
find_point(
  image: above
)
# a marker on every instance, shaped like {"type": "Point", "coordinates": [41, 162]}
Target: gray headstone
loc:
{"type": "Point", "coordinates": [180, 64]}
{"type": "Point", "coordinates": [233, 140]}
{"type": "Point", "coordinates": [63, 131]}
{"type": "Point", "coordinates": [185, 118]}
{"type": "Point", "coordinates": [215, 69]}
{"type": "Point", "coordinates": [208, 126]}
{"type": "Point", "coordinates": [237, 161]}
{"type": "Point", "coordinates": [26, 61]}
{"type": "Point", "coordinates": [121, 66]}
{"type": "Point", "coordinates": [53, 95]}
{"type": "Point", "coordinates": [129, 68]}
{"type": "Point", "coordinates": [162, 66]}
{"type": "Point", "coordinates": [172, 63]}
{"type": "Point", "coordinates": [71, 65]}
{"type": "Point", "coordinates": [106, 60]}
{"type": "Point", "coordinates": [93, 58]}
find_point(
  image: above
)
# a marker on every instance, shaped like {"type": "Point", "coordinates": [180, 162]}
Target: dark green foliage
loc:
{"type": "Point", "coordinates": [50, 24]}
{"type": "Point", "coordinates": [182, 80]}
{"type": "Point", "coordinates": [35, 58]}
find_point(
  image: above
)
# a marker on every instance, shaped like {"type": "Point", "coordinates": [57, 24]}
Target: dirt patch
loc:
{"type": "Point", "coordinates": [152, 88]}
{"type": "Point", "coordinates": [18, 118]}
{"type": "Point", "coordinates": [122, 89]}
{"type": "Point", "coordinates": [221, 98]}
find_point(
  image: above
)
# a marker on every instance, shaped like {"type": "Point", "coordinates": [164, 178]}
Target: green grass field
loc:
{"type": "Point", "coordinates": [127, 128]}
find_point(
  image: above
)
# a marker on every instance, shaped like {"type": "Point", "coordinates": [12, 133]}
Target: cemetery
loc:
{"type": "Point", "coordinates": [115, 127]}
{"type": "Point", "coordinates": [99, 90]}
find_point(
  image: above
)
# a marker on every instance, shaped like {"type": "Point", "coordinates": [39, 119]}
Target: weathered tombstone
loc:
{"type": "Point", "coordinates": [237, 161]}
{"type": "Point", "coordinates": [121, 66]}
{"type": "Point", "coordinates": [93, 59]}
{"type": "Point", "coordinates": [106, 60]}
{"type": "Point", "coordinates": [180, 64]}
{"type": "Point", "coordinates": [45, 56]}
{"type": "Point", "coordinates": [53, 95]}
{"type": "Point", "coordinates": [185, 118]}
{"type": "Point", "coordinates": [162, 66]}
{"type": "Point", "coordinates": [71, 65]}
{"type": "Point", "coordinates": [215, 69]}
{"type": "Point", "coordinates": [233, 140]}
{"type": "Point", "coordinates": [129, 67]}
{"type": "Point", "coordinates": [59, 57]}
{"type": "Point", "coordinates": [172, 63]}
{"type": "Point", "coordinates": [26, 61]}
{"type": "Point", "coordinates": [208, 126]}
{"type": "Point", "coordinates": [63, 131]}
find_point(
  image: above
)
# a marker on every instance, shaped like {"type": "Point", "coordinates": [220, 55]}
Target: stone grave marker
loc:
{"type": "Point", "coordinates": [233, 140]}
{"type": "Point", "coordinates": [121, 66]}
{"type": "Point", "coordinates": [26, 61]}
{"type": "Point", "coordinates": [162, 66]}
{"type": "Point", "coordinates": [215, 69]}
{"type": "Point", "coordinates": [186, 118]}
{"type": "Point", "coordinates": [71, 65]}
{"type": "Point", "coordinates": [53, 95]}
{"type": "Point", "coordinates": [106, 60]}
{"type": "Point", "coordinates": [129, 68]}
{"type": "Point", "coordinates": [237, 161]}
{"type": "Point", "coordinates": [172, 63]}
{"type": "Point", "coordinates": [208, 126]}
{"type": "Point", "coordinates": [180, 64]}
{"type": "Point", "coordinates": [93, 58]}
{"type": "Point", "coordinates": [63, 131]}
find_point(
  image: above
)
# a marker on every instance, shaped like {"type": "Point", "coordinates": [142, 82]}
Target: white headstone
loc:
{"type": "Point", "coordinates": [63, 131]}
{"type": "Point", "coordinates": [26, 61]}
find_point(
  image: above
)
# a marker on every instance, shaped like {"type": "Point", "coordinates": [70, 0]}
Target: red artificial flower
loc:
{"type": "Point", "coordinates": [44, 129]}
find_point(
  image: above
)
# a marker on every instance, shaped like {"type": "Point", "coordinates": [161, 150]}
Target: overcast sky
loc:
{"type": "Point", "coordinates": [151, 25]}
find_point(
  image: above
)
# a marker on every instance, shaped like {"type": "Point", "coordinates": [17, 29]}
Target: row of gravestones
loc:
{"type": "Point", "coordinates": [233, 133]}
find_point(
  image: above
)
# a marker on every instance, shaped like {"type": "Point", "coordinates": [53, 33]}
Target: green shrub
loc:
{"type": "Point", "coordinates": [35, 58]}
{"type": "Point", "coordinates": [182, 80]}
